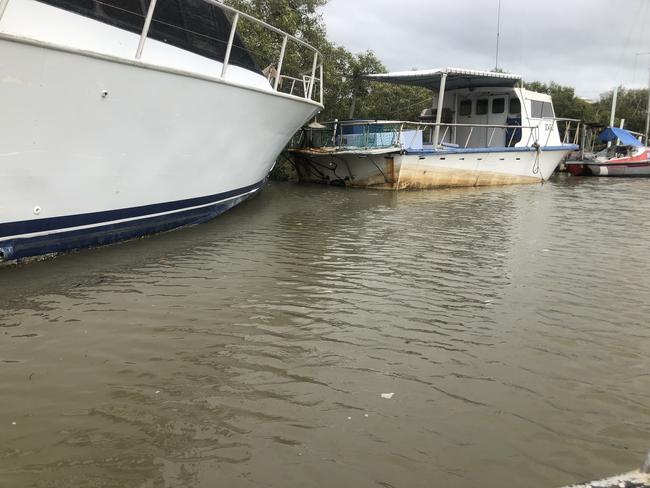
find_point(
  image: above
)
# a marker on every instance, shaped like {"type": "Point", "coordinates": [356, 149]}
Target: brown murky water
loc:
{"type": "Point", "coordinates": [511, 324]}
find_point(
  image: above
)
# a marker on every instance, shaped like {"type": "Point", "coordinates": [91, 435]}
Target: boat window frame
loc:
{"type": "Point", "coordinates": [207, 38]}
{"type": "Point", "coordinates": [503, 106]}
{"type": "Point", "coordinates": [465, 102]}
{"type": "Point", "coordinates": [480, 103]}
{"type": "Point", "coordinates": [512, 101]}
{"type": "Point", "coordinates": [539, 109]}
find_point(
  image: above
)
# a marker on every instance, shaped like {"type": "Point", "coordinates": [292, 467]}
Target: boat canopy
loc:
{"type": "Point", "coordinates": [614, 133]}
{"type": "Point", "coordinates": [455, 78]}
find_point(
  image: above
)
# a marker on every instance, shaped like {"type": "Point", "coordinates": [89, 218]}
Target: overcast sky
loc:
{"type": "Point", "coordinates": [588, 44]}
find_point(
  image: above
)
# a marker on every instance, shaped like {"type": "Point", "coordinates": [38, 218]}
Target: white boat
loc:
{"type": "Point", "coordinates": [120, 120]}
{"type": "Point", "coordinates": [484, 129]}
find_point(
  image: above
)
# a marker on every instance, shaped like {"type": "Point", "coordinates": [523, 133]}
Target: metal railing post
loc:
{"type": "Point", "coordinates": [313, 76]}
{"type": "Point", "coordinates": [444, 134]}
{"type": "Point", "coordinates": [3, 6]}
{"type": "Point", "coordinates": [321, 83]}
{"type": "Point", "coordinates": [512, 136]}
{"type": "Point", "coordinates": [494, 129]}
{"type": "Point", "coordinates": [280, 62]}
{"type": "Point", "coordinates": [145, 29]}
{"type": "Point", "coordinates": [469, 136]}
{"type": "Point", "coordinates": [226, 59]}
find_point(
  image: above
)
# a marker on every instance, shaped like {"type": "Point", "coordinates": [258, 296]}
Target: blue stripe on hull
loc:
{"type": "Point", "coordinates": [24, 247]}
{"type": "Point", "coordinates": [475, 150]}
{"type": "Point", "coordinates": [43, 225]}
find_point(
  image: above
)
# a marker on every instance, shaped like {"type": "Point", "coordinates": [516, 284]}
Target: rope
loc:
{"type": "Point", "coordinates": [538, 151]}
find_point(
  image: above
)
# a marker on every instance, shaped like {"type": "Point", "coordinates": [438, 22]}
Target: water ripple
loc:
{"type": "Point", "coordinates": [510, 324]}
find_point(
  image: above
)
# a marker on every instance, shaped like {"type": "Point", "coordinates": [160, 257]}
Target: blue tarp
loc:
{"type": "Point", "coordinates": [613, 133]}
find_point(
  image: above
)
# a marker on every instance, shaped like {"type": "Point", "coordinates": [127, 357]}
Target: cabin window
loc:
{"type": "Point", "coordinates": [192, 25]}
{"type": "Point", "coordinates": [465, 107]}
{"type": "Point", "coordinates": [482, 106]}
{"type": "Point", "coordinates": [515, 106]}
{"type": "Point", "coordinates": [498, 105]}
{"type": "Point", "coordinates": [539, 109]}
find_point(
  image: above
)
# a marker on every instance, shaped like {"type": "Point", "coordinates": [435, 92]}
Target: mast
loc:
{"type": "Point", "coordinates": [496, 62]}
{"type": "Point", "coordinates": [647, 116]}
{"type": "Point", "coordinates": [613, 114]}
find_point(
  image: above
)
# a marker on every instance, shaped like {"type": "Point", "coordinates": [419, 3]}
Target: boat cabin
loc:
{"type": "Point", "coordinates": [480, 109]}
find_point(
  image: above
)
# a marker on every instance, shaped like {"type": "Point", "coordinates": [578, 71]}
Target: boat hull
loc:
{"type": "Point", "coordinates": [94, 150]}
{"type": "Point", "coordinates": [635, 165]}
{"type": "Point", "coordinates": [618, 169]}
{"type": "Point", "coordinates": [393, 170]}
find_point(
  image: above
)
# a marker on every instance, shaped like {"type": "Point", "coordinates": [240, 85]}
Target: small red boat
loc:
{"type": "Point", "coordinates": [629, 157]}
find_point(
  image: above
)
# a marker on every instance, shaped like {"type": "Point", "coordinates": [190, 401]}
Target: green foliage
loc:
{"type": "Point", "coordinates": [631, 104]}
{"type": "Point", "coordinates": [297, 18]}
{"type": "Point", "coordinates": [346, 93]}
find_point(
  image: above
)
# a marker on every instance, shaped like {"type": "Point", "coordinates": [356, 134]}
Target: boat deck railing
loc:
{"type": "Point", "coordinates": [383, 134]}
{"type": "Point", "coordinates": [274, 75]}
{"type": "Point", "coordinates": [572, 130]}
{"type": "Point", "coordinates": [307, 88]}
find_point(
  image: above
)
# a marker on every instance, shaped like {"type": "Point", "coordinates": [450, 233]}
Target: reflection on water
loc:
{"type": "Point", "coordinates": [511, 324]}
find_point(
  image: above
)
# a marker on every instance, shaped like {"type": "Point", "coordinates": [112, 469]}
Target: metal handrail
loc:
{"type": "Point", "coordinates": [400, 126]}
{"type": "Point", "coordinates": [425, 124]}
{"type": "Point", "coordinates": [226, 62]}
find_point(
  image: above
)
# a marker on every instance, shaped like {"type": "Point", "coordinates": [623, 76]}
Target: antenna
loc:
{"type": "Point", "coordinates": [647, 115]}
{"type": "Point", "coordinates": [496, 63]}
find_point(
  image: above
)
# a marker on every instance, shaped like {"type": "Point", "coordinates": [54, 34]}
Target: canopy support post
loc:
{"type": "Point", "coordinates": [441, 97]}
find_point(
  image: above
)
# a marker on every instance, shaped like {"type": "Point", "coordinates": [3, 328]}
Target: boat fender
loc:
{"type": "Point", "coordinates": [6, 253]}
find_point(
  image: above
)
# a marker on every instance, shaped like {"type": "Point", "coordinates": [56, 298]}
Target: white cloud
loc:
{"type": "Point", "coordinates": [588, 44]}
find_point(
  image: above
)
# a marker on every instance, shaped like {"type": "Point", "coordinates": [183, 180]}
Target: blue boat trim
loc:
{"type": "Point", "coordinates": [67, 221]}
{"type": "Point", "coordinates": [483, 150]}
{"type": "Point", "coordinates": [100, 235]}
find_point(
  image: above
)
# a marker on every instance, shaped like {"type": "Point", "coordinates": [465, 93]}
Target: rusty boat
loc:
{"type": "Point", "coordinates": [482, 128]}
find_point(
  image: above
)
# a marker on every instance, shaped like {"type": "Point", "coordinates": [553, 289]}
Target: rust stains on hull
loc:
{"type": "Point", "coordinates": [423, 178]}
{"type": "Point", "coordinates": [391, 172]}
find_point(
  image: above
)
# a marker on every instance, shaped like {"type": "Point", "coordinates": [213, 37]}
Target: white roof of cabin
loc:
{"type": "Point", "coordinates": [456, 78]}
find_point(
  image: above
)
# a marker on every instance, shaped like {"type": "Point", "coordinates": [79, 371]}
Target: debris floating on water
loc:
{"type": "Point", "coordinates": [387, 396]}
